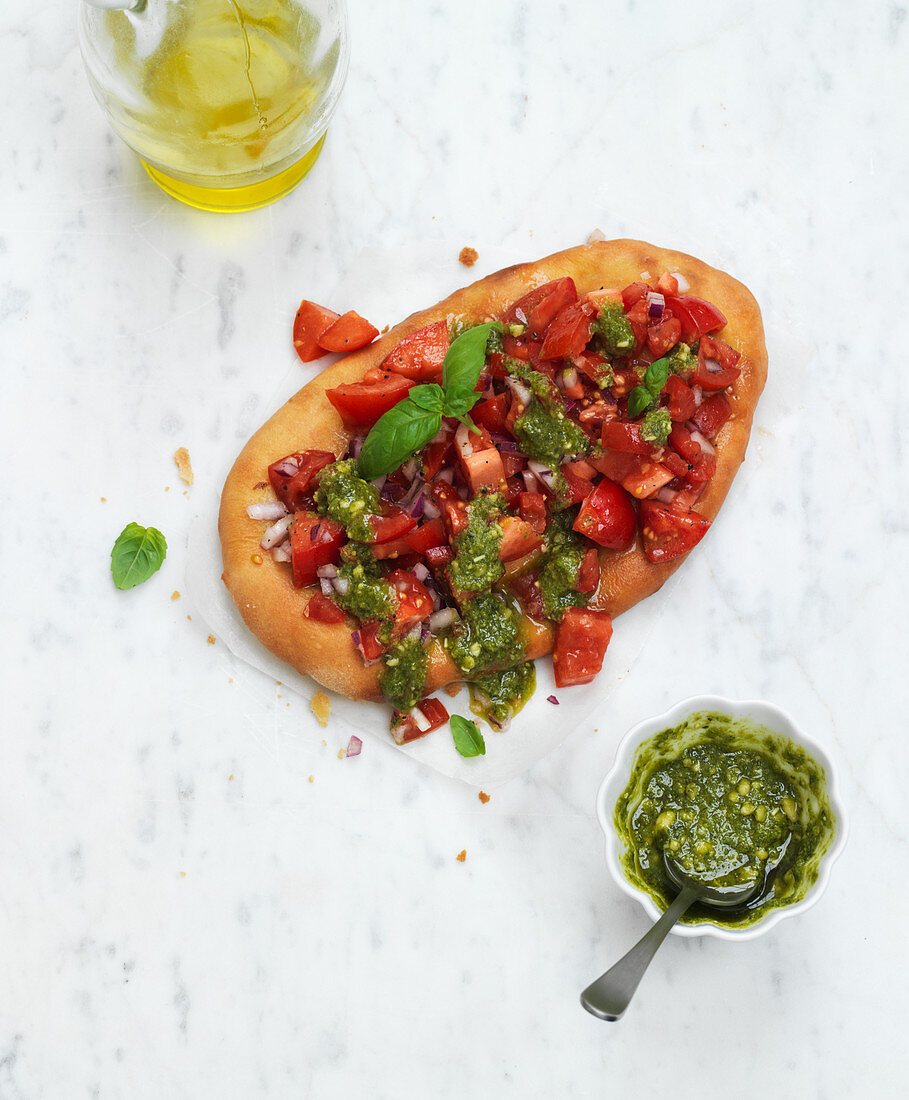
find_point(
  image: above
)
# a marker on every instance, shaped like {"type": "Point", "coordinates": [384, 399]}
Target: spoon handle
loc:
{"type": "Point", "coordinates": [610, 994]}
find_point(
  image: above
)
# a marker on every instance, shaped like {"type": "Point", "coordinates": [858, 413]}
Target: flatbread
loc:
{"type": "Point", "coordinates": [263, 589]}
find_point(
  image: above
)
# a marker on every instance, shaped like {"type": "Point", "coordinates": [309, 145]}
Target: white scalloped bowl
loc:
{"type": "Point", "coordinates": [766, 714]}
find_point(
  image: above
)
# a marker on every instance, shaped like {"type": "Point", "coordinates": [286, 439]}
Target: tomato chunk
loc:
{"type": "Point", "coordinates": [568, 333]}
{"type": "Point", "coordinates": [369, 645]}
{"type": "Point", "coordinates": [527, 589]}
{"type": "Point", "coordinates": [491, 414]}
{"type": "Point", "coordinates": [580, 646]}
{"type": "Point", "coordinates": [607, 516]}
{"type": "Point", "coordinates": [716, 367]}
{"type": "Point", "coordinates": [394, 523]}
{"type": "Point", "coordinates": [589, 573]}
{"type": "Point", "coordinates": [632, 294]}
{"type": "Point", "coordinates": [404, 727]}
{"type": "Point", "coordinates": [712, 414]}
{"type": "Point", "coordinates": [518, 538]}
{"type": "Point", "coordinates": [562, 293]}
{"type": "Point", "coordinates": [428, 535]}
{"type": "Point", "coordinates": [414, 601]}
{"type": "Point", "coordinates": [310, 323]}
{"type": "Point", "coordinates": [484, 469]}
{"type": "Point", "coordinates": [696, 316]}
{"type": "Point", "coordinates": [361, 404]}
{"type": "Point", "coordinates": [314, 541]}
{"type": "Point", "coordinates": [421, 354]}
{"type": "Point", "coordinates": [663, 335]}
{"type": "Point", "coordinates": [625, 437]}
{"type": "Point", "coordinates": [578, 487]}
{"type": "Point", "coordinates": [680, 399]}
{"type": "Point", "coordinates": [522, 309]}
{"type": "Point", "coordinates": [532, 507]}
{"type": "Point", "coordinates": [321, 609]}
{"type": "Point", "coordinates": [349, 332]}
{"type": "Point", "coordinates": [292, 477]}
{"type": "Point", "coordinates": [668, 532]}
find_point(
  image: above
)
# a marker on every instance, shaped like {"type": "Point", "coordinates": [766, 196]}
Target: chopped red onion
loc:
{"type": "Point", "coordinates": [326, 586]}
{"type": "Point", "coordinates": [683, 283]}
{"type": "Point", "coordinates": [415, 634]}
{"type": "Point", "coordinates": [442, 619]}
{"type": "Point", "coordinates": [698, 394]}
{"type": "Point", "coordinates": [462, 442]}
{"type": "Point", "coordinates": [379, 483]}
{"type": "Point", "coordinates": [327, 571]}
{"type": "Point", "coordinates": [430, 511]}
{"type": "Point", "coordinates": [706, 446]}
{"type": "Point", "coordinates": [569, 378]}
{"type": "Point", "coordinates": [269, 509]}
{"type": "Point", "coordinates": [282, 552]}
{"type": "Point", "coordinates": [276, 533]}
{"type": "Point", "coordinates": [520, 391]}
{"type": "Point", "coordinates": [521, 315]}
{"type": "Point", "coordinates": [356, 445]}
{"type": "Point", "coordinates": [354, 745]}
{"type": "Point", "coordinates": [341, 585]}
{"type": "Point", "coordinates": [552, 699]}
{"type": "Point", "coordinates": [596, 235]}
{"type": "Point", "coordinates": [357, 641]}
{"type": "Point", "coordinates": [287, 467]}
{"type": "Point", "coordinates": [392, 491]}
{"type": "Point", "coordinates": [445, 475]}
{"type": "Point", "coordinates": [656, 303]}
{"type": "Point", "coordinates": [420, 571]}
{"type": "Point", "coordinates": [314, 532]}
{"type": "Point", "coordinates": [416, 509]}
{"type": "Point", "coordinates": [713, 366]}
{"type": "Point", "coordinates": [543, 473]}
{"type": "Point", "coordinates": [570, 406]}
{"type": "Point", "coordinates": [531, 485]}
{"type": "Point", "coordinates": [409, 469]}
{"type": "Point", "coordinates": [503, 443]}
{"type": "Point", "coordinates": [420, 720]}
{"type": "Point", "coordinates": [666, 495]}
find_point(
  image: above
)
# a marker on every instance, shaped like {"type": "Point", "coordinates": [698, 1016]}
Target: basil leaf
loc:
{"type": "Point", "coordinates": [639, 400]}
{"type": "Point", "coordinates": [464, 360]}
{"type": "Point", "coordinates": [431, 397]}
{"type": "Point", "coordinates": [395, 436]}
{"type": "Point", "coordinates": [137, 554]}
{"type": "Point", "coordinates": [467, 738]}
{"type": "Point", "coordinates": [459, 404]}
{"type": "Point", "coordinates": [656, 375]}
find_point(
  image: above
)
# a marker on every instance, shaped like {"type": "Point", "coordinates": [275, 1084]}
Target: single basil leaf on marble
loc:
{"type": "Point", "coordinates": [467, 738]}
{"type": "Point", "coordinates": [137, 554]}
{"type": "Point", "coordinates": [639, 401]}
{"type": "Point", "coordinates": [464, 361]}
{"type": "Point", "coordinates": [395, 436]}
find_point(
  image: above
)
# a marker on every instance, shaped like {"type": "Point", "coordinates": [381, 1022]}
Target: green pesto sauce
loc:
{"type": "Point", "coordinates": [656, 426]}
{"type": "Point", "coordinates": [369, 596]}
{"type": "Point", "coordinates": [349, 500]}
{"type": "Point", "coordinates": [476, 565]}
{"type": "Point", "coordinates": [613, 331]}
{"type": "Point", "coordinates": [682, 360]}
{"type": "Point", "coordinates": [404, 677]}
{"type": "Point", "coordinates": [499, 696]}
{"type": "Point", "coordinates": [546, 434]}
{"type": "Point", "coordinates": [487, 636]}
{"type": "Point", "coordinates": [733, 802]}
{"type": "Point", "coordinates": [561, 565]}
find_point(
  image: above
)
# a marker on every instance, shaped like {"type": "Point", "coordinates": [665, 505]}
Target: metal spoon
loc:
{"type": "Point", "coordinates": [610, 994]}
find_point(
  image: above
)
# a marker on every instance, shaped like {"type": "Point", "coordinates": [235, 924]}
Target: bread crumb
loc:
{"type": "Point", "coordinates": [453, 689]}
{"type": "Point", "coordinates": [230, 777]}
{"type": "Point", "coordinates": [461, 856]}
{"type": "Point", "coordinates": [320, 705]}
{"type": "Point", "coordinates": [175, 595]}
{"type": "Point", "coordinates": [104, 500]}
{"type": "Point", "coordinates": [484, 797]}
{"type": "Point", "coordinates": [341, 754]}
{"type": "Point", "coordinates": [189, 618]}
{"type": "Point", "coordinates": [311, 778]}
{"type": "Point", "coordinates": [324, 742]}
{"type": "Point", "coordinates": [261, 485]}
{"type": "Point", "coordinates": [166, 488]}
{"type": "Point", "coordinates": [468, 256]}
{"type": "Point", "coordinates": [230, 679]}
{"type": "Point", "coordinates": [384, 330]}
{"type": "Point", "coordinates": [182, 874]}
{"type": "Point", "coordinates": [211, 639]}
{"type": "Point", "coordinates": [256, 559]}
{"type": "Point", "coordinates": [184, 467]}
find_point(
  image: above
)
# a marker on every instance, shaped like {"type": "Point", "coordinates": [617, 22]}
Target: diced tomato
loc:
{"type": "Point", "coordinates": [668, 284]}
{"type": "Point", "coordinates": [453, 509]}
{"type": "Point", "coordinates": [349, 332]}
{"type": "Point", "coordinates": [581, 468]}
{"type": "Point", "coordinates": [667, 532]}
{"type": "Point", "coordinates": [646, 478]}
{"type": "Point", "coordinates": [663, 335]}
{"type": "Point", "coordinates": [310, 323]}
{"type": "Point", "coordinates": [589, 573]}
{"type": "Point", "coordinates": [525, 306]}
{"type": "Point", "coordinates": [361, 404]}
{"type": "Point", "coordinates": [680, 440]}
{"type": "Point", "coordinates": [614, 465]}
{"type": "Point", "coordinates": [680, 401]}
{"type": "Point", "coordinates": [437, 556]}
{"type": "Point", "coordinates": [484, 469]}
{"type": "Point", "coordinates": [314, 541]}
{"type": "Point", "coordinates": [520, 347]}
{"type": "Point", "coordinates": [414, 601]}
{"type": "Point", "coordinates": [697, 317]}
{"type": "Point", "coordinates": [527, 589]}
{"type": "Point", "coordinates": [607, 516]}
{"type": "Point", "coordinates": [712, 414]}
{"type": "Point", "coordinates": [396, 548]}
{"type": "Point", "coordinates": [514, 486]}
{"type": "Point", "coordinates": [370, 646]}
{"type": "Point", "coordinates": [638, 317]}
{"type": "Point", "coordinates": [673, 462]}
{"type": "Point", "coordinates": [568, 333]}
{"type": "Point", "coordinates": [321, 609]}
{"type": "Point", "coordinates": [427, 535]}
{"type": "Point", "coordinates": [578, 487]}
{"type": "Point", "coordinates": [293, 489]}
{"type": "Point", "coordinates": [631, 295]}
{"type": "Point", "coordinates": [513, 462]}
{"type": "Point", "coordinates": [580, 646]}
{"type": "Point", "coordinates": [592, 365]}
{"type": "Point", "coordinates": [625, 382]}
{"type": "Point", "coordinates": [518, 538]}
{"type": "Point", "coordinates": [491, 414]}
{"type": "Point", "coordinates": [394, 523]}
{"type": "Point", "coordinates": [421, 354]}
{"type": "Point", "coordinates": [532, 507]}
{"type": "Point", "coordinates": [562, 293]}
{"type": "Point", "coordinates": [599, 298]}
{"type": "Point", "coordinates": [434, 457]}
{"type": "Point", "coordinates": [625, 436]}
{"type": "Point", "coordinates": [716, 367]}
{"type": "Point", "coordinates": [703, 470]}
{"type": "Point", "coordinates": [404, 727]}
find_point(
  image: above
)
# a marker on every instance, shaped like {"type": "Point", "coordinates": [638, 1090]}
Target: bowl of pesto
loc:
{"type": "Point", "coordinates": [736, 793]}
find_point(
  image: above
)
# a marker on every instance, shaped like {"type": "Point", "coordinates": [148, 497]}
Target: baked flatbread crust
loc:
{"type": "Point", "coordinates": [262, 589]}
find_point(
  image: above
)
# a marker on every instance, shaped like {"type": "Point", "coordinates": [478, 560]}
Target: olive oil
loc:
{"type": "Point", "coordinates": [228, 99]}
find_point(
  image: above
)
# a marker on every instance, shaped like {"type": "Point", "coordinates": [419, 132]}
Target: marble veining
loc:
{"type": "Point", "coordinates": [199, 897]}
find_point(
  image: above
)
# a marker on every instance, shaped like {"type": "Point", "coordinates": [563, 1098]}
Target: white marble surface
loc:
{"type": "Point", "coordinates": [184, 914]}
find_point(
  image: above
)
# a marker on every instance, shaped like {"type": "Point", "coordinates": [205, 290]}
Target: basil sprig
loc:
{"type": "Point", "coordinates": [408, 426]}
{"type": "Point", "coordinates": [643, 397]}
{"type": "Point", "coordinates": [467, 738]}
{"type": "Point", "coordinates": [137, 554]}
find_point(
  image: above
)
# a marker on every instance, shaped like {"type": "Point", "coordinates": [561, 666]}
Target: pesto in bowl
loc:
{"type": "Point", "coordinates": [733, 801]}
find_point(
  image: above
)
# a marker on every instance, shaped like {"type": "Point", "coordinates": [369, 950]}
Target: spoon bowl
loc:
{"type": "Point", "coordinates": [715, 897]}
